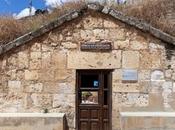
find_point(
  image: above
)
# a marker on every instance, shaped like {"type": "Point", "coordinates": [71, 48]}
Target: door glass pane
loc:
{"type": "Point", "coordinates": [89, 97]}
{"type": "Point", "coordinates": [89, 81]}
{"type": "Point", "coordinates": [105, 97]}
{"type": "Point", "coordinates": [105, 81]}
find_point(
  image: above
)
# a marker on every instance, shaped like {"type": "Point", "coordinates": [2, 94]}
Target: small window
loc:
{"type": "Point", "coordinates": [89, 97]}
{"type": "Point", "coordinates": [89, 81]}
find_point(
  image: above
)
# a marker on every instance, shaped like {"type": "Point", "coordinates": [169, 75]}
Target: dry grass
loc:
{"type": "Point", "coordinates": [153, 12]}
{"type": "Point", "coordinates": [11, 28]}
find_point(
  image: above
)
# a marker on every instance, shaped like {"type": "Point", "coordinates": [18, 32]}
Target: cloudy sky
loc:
{"type": "Point", "coordinates": [20, 7]}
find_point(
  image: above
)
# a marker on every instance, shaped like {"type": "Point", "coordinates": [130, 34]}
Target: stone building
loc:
{"type": "Point", "coordinates": [89, 64]}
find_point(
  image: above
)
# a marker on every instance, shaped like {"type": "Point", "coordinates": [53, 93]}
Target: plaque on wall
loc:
{"type": "Point", "coordinates": [96, 46]}
{"type": "Point", "coordinates": [130, 75]}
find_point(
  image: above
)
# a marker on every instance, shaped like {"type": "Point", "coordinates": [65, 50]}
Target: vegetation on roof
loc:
{"type": "Point", "coordinates": [11, 28]}
{"type": "Point", "coordinates": [154, 12]}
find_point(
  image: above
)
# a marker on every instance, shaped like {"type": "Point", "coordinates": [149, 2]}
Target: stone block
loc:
{"type": "Point", "coordinates": [138, 45]}
{"type": "Point", "coordinates": [90, 60]}
{"type": "Point", "coordinates": [35, 64]}
{"type": "Point", "coordinates": [145, 60]}
{"type": "Point", "coordinates": [130, 59]}
{"type": "Point", "coordinates": [121, 44]}
{"type": "Point", "coordinates": [35, 88]}
{"type": "Point", "coordinates": [61, 100]}
{"type": "Point", "coordinates": [50, 87]}
{"type": "Point", "coordinates": [117, 75]}
{"type": "Point", "coordinates": [59, 60]}
{"type": "Point", "coordinates": [23, 60]}
{"type": "Point", "coordinates": [117, 34]}
{"type": "Point", "coordinates": [156, 101]}
{"type": "Point", "coordinates": [35, 55]}
{"type": "Point", "coordinates": [157, 75]}
{"type": "Point", "coordinates": [101, 33]}
{"type": "Point", "coordinates": [66, 88]}
{"type": "Point", "coordinates": [157, 60]}
{"type": "Point", "coordinates": [69, 45]}
{"type": "Point", "coordinates": [41, 100]}
{"type": "Point", "coordinates": [110, 24]}
{"type": "Point", "coordinates": [156, 86]}
{"type": "Point", "coordinates": [46, 60]}
{"type": "Point", "coordinates": [63, 74]}
{"type": "Point", "coordinates": [131, 88]}
{"type": "Point", "coordinates": [36, 47]}
{"type": "Point", "coordinates": [31, 75]}
{"type": "Point", "coordinates": [87, 34]}
{"type": "Point", "coordinates": [47, 74]}
{"type": "Point", "coordinates": [14, 85]}
{"type": "Point", "coordinates": [144, 75]}
{"type": "Point", "coordinates": [133, 99]}
{"type": "Point", "coordinates": [92, 22]}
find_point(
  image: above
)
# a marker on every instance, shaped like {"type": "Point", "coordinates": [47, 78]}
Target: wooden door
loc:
{"type": "Point", "coordinates": [93, 100]}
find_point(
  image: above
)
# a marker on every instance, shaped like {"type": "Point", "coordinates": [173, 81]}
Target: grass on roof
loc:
{"type": "Point", "coordinates": [152, 11]}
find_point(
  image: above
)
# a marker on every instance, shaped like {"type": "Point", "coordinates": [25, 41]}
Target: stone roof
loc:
{"type": "Point", "coordinates": [139, 24]}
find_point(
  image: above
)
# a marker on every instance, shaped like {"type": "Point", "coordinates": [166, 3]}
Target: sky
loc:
{"type": "Point", "coordinates": [16, 6]}
{"type": "Point", "coordinates": [19, 8]}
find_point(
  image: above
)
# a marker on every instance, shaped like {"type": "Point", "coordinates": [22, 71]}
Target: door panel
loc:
{"type": "Point", "coordinates": [93, 102]}
{"type": "Point", "coordinates": [84, 125]}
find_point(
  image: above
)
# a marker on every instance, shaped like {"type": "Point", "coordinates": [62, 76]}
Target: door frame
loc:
{"type": "Point", "coordinates": [110, 93]}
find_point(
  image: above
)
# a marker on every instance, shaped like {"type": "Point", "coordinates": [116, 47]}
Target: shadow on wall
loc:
{"type": "Point", "coordinates": [66, 124]}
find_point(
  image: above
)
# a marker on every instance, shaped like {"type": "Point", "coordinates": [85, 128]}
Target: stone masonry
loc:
{"type": "Point", "coordinates": [41, 75]}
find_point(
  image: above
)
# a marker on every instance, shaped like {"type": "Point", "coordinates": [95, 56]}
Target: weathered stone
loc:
{"type": "Point", "coordinates": [157, 61]}
{"type": "Point", "coordinates": [110, 24]}
{"type": "Point", "coordinates": [42, 100]}
{"type": "Point", "coordinates": [92, 22]}
{"type": "Point", "coordinates": [35, 64]}
{"type": "Point", "coordinates": [14, 85]}
{"type": "Point", "coordinates": [35, 88]}
{"type": "Point", "coordinates": [90, 60]}
{"type": "Point", "coordinates": [60, 100]}
{"type": "Point", "coordinates": [117, 75]}
{"type": "Point", "coordinates": [137, 87]}
{"type": "Point", "coordinates": [35, 55]}
{"type": "Point", "coordinates": [87, 34]}
{"type": "Point", "coordinates": [23, 60]}
{"type": "Point", "coordinates": [130, 59]}
{"type": "Point", "coordinates": [31, 75]}
{"type": "Point", "coordinates": [157, 75]}
{"type": "Point", "coordinates": [121, 44]}
{"type": "Point", "coordinates": [101, 33]}
{"type": "Point", "coordinates": [59, 60]}
{"type": "Point", "coordinates": [62, 74]}
{"type": "Point", "coordinates": [144, 75]}
{"type": "Point", "coordinates": [117, 34]}
{"type": "Point", "coordinates": [156, 86]}
{"type": "Point", "coordinates": [138, 45]}
{"type": "Point", "coordinates": [69, 45]}
{"type": "Point", "coordinates": [168, 73]}
{"type": "Point", "coordinates": [145, 64]}
{"type": "Point", "coordinates": [46, 60]}
{"type": "Point", "coordinates": [36, 47]}
{"type": "Point", "coordinates": [47, 75]}
{"type": "Point", "coordinates": [133, 99]}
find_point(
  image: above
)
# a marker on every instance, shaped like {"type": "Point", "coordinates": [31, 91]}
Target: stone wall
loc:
{"type": "Point", "coordinates": [41, 75]}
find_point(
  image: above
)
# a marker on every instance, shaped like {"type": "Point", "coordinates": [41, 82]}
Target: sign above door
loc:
{"type": "Point", "coordinates": [96, 46]}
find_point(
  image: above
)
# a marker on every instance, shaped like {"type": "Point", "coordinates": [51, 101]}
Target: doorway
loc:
{"type": "Point", "coordinates": [93, 100]}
